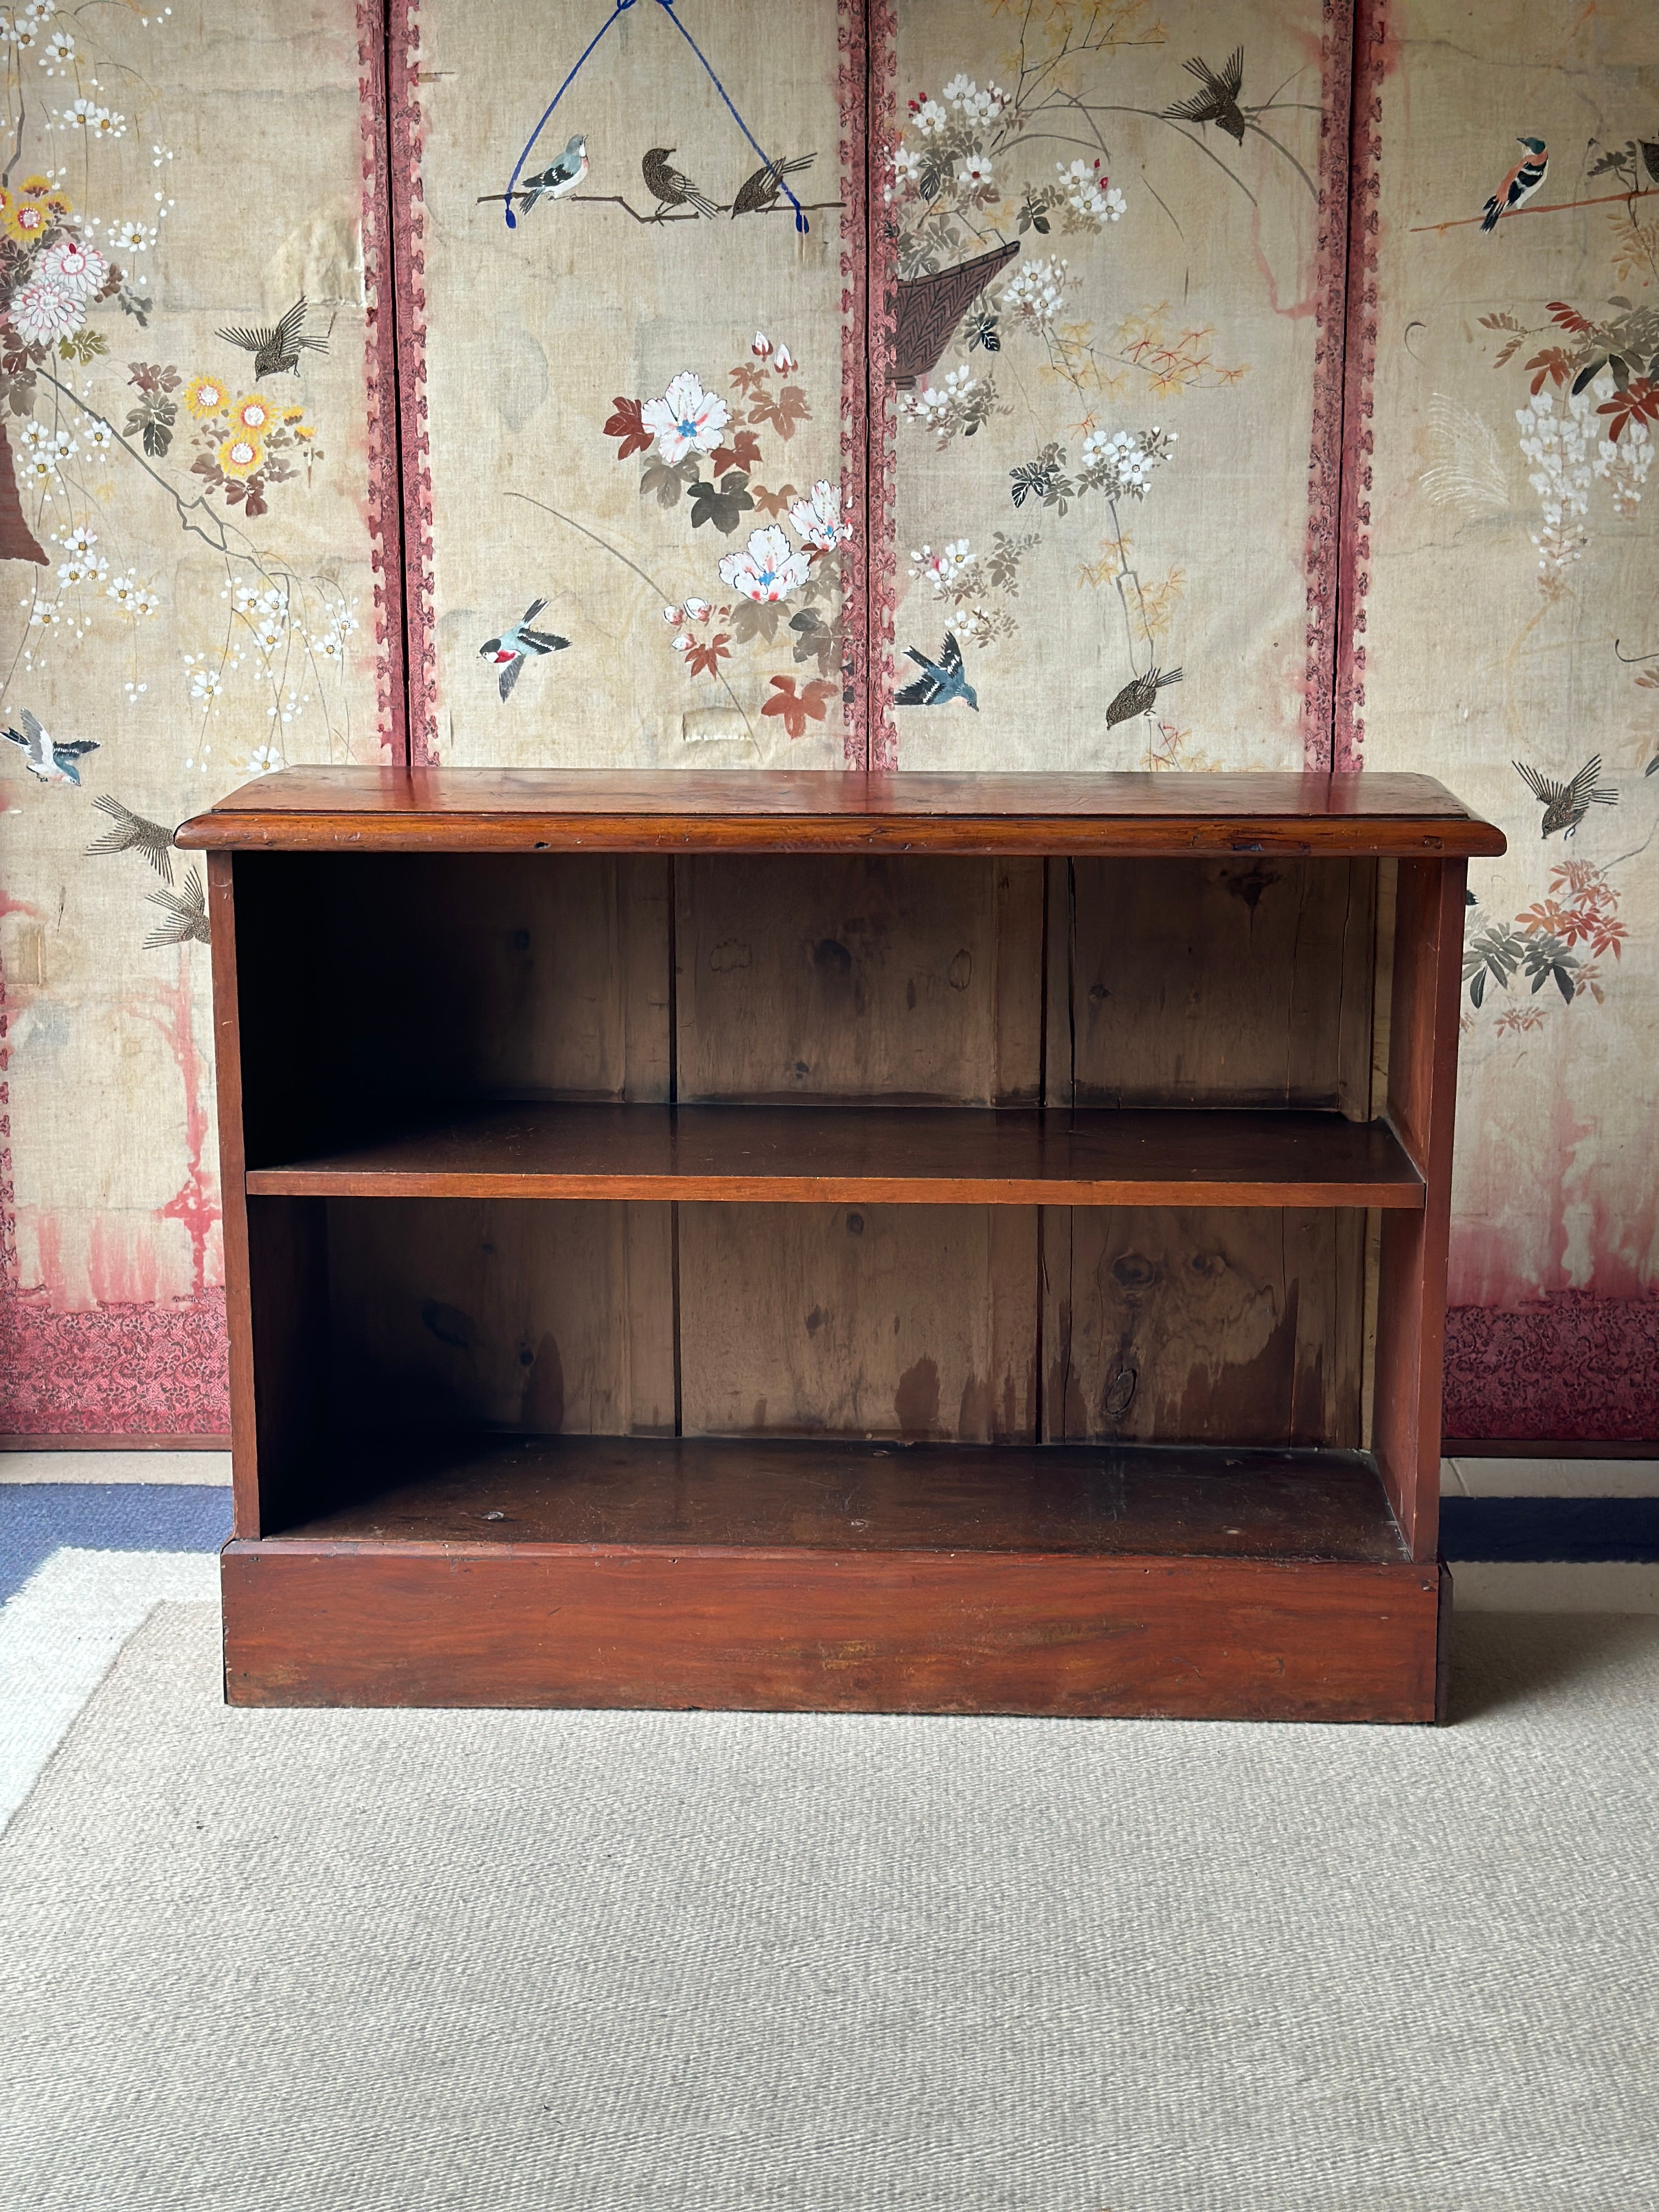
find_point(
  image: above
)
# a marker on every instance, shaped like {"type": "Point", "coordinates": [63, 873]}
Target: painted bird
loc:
{"type": "Point", "coordinates": [186, 913]}
{"type": "Point", "coordinates": [672, 188]}
{"type": "Point", "coordinates": [758, 195]}
{"type": "Point", "coordinates": [514, 647]}
{"type": "Point", "coordinates": [1218, 102]}
{"type": "Point", "coordinates": [276, 350]}
{"type": "Point", "coordinates": [940, 681]}
{"type": "Point", "coordinates": [1522, 182]}
{"type": "Point", "coordinates": [132, 833]}
{"type": "Point", "coordinates": [564, 176]}
{"type": "Point", "coordinates": [1136, 695]}
{"type": "Point", "coordinates": [1566, 805]}
{"type": "Point", "coordinates": [44, 758]}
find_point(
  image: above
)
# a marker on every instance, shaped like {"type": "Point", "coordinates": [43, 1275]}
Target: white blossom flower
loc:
{"type": "Point", "coordinates": [679, 643]}
{"type": "Point", "coordinates": [133, 237]}
{"type": "Point", "coordinates": [1033, 295]}
{"type": "Point", "coordinates": [1120, 463]}
{"type": "Point", "coordinates": [205, 684]}
{"type": "Point", "coordinates": [767, 569]}
{"type": "Point", "coordinates": [123, 590]}
{"type": "Point", "coordinates": [930, 119]}
{"type": "Point", "coordinates": [959, 89]}
{"type": "Point", "coordinates": [784, 361]}
{"type": "Point", "coordinates": [80, 540]}
{"type": "Point", "coordinates": [1558, 445]}
{"type": "Point", "coordinates": [329, 647]}
{"type": "Point", "coordinates": [58, 53]}
{"type": "Point", "coordinates": [262, 760]}
{"type": "Point", "coordinates": [759, 345]}
{"type": "Point", "coordinates": [145, 600]}
{"type": "Point", "coordinates": [100, 434]}
{"type": "Point", "coordinates": [104, 124]}
{"type": "Point", "coordinates": [1090, 191]}
{"type": "Point", "coordinates": [907, 165]}
{"type": "Point", "coordinates": [82, 568]}
{"type": "Point", "coordinates": [35, 435]}
{"type": "Point", "coordinates": [697, 610]}
{"type": "Point", "coordinates": [78, 269]}
{"type": "Point", "coordinates": [673, 616]}
{"type": "Point", "coordinates": [943, 569]}
{"type": "Point", "coordinates": [686, 419]}
{"type": "Point", "coordinates": [39, 468]}
{"type": "Point", "coordinates": [41, 314]}
{"type": "Point", "coordinates": [45, 615]}
{"type": "Point", "coordinates": [975, 174]}
{"type": "Point", "coordinates": [817, 520]}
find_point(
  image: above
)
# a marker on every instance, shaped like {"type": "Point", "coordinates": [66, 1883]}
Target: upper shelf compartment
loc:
{"type": "Point", "coordinates": [388, 809]}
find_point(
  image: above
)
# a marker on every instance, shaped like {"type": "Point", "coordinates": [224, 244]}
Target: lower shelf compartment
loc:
{"type": "Point", "coordinates": [803, 1577]}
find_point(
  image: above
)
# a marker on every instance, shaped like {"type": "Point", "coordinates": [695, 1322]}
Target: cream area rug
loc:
{"type": "Point", "coordinates": [398, 1961]}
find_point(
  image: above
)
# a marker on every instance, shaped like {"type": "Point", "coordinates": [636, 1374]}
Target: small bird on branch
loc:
{"type": "Point", "coordinates": [561, 176]}
{"type": "Point", "coordinates": [1218, 102]}
{"type": "Point", "coordinates": [1522, 182]}
{"type": "Point", "coordinates": [275, 350]}
{"type": "Point", "coordinates": [670, 187]}
{"type": "Point", "coordinates": [758, 195]}
{"type": "Point", "coordinates": [1138, 695]}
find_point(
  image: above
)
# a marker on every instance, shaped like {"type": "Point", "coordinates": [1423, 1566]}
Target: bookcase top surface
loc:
{"type": "Point", "coordinates": [394, 809]}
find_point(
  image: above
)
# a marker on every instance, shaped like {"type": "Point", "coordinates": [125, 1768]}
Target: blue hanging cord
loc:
{"type": "Point", "coordinates": [621, 9]}
{"type": "Point", "coordinates": [667, 6]}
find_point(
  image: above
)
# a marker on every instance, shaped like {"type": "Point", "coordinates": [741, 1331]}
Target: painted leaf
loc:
{"type": "Point", "coordinates": [628, 423]}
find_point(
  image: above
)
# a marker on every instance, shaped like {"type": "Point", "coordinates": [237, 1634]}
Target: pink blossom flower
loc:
{"type": "Point", "coordinates": [769, 569]}
{"type": "Point", "coordinates": [697, 610]}
{"type": "Point", "coordinates": [78, 269]}
{"type": "Point", "coordinates": [784, 361]}
{"type": "Point", "coordinates": [41, 314]}
{"type": "Point", "coordinates": [817, 519]}
{"type": "Point", "coordinates": [687, 419]}
{"type": "Point", "coordinates": [759, 345]}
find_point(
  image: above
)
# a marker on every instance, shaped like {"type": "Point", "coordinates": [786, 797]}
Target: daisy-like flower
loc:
{"type": "Point", "coordinates": [941, 569]}
{"type": "Point", "coordinates": [1092, 191]}
{"type": "Point", "coordinates": [62, 443]}
{"type": "Point", "coordinates": [686, 419]}
{"type": "Point", "coordinates": [82, 568]}
{"type": "Point", "coordinates": [123, 590]}
{"type": "Point", "coordinates": [58, 52]}
{"type": "Point", "coordinates": [262, 760]}
{"type": "Point", "coordinates": [929, 118]}
{"type": "Point", "coordinates": [907, 166]}
{"type": "Point", "coordinates": [133, 237]}
{"type": "Point", "coordinates": [1034, 296]}
{"type": "Point", "coordinates": [252, 415]}
{"type": "Point", "coordinates": [23, 34]}
{"type": "Point", "coordinates": [80, 113]}
{"type": "Point", "coordinates": [100, 434]}
{"type": "Point", "coordinates": [24, 220]}
{"type": "Point", "coordinates": [80, 540]}
{"type": "Point", "coordinates": [205, 684]}
{"type": "Point", "coordinates": [329, 647]}
{"type": "Point", "coordinates": [34, 435]}
{"type": "Point", "coordinates": [975, 175]}
{"type": "Point", "coordinates": [239, 455]}
{"type": "Point", "coordinates": [103, 125]}
{"type": "Point", "coordinates": [41, 314]}
{"type": "Point", "coordinates": [767, 569]}
{"type": "Point", "coordinates": [960, 88]}
{"type": "Point", "coordinates": [41, 469]}
{"type": "Point", "coordinates": [205, 397]}
{"type": "Point", "coordinates": [45, 615]}
{"type": "Point", "coordinates": [268, 633]}
{"type": "Point", "coordinates": [145, 600]}
{"type": "Point", "coordinates": [817, 520]}
{"type": "Point", "coordinates": [78, 269]}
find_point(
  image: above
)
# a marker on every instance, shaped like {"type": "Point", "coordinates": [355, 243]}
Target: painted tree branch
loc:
{"type": "Point", "coordinates": [1555, 207]}
{"type": "Point", "coordinates": [616, 199]}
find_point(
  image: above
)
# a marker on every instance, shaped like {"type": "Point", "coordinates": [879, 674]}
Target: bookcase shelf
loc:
{"type": "Point", "coordinates": [838, 1242]}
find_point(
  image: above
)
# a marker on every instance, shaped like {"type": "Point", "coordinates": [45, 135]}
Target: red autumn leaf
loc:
{"type": "Point", "coordinates": [1639, 405]}
{"type": "Point", "coordinates": [1569, 318]}
{"type": "Point", "coordinates": [783, 410]}
{"type": "Point", "coordinates": [628, 423]}
{"type": "Point", "coordinates": [795, 706]}
{"type": "Point", "coordinates": [1553, 366]}
{"type": "Point", "coordinates": [774, 503]}
{"type": "Point", "coordinates": [742, 453]}
{"type": "Point", "coordinates": [703, 655]}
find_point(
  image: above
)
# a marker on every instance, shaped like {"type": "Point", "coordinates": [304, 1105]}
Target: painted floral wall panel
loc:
{"type": "Point", "coordinates": [188, 596]}
{"type": "Point", "coordinates": [1504, 537]}
{"type": "Point", "coordinates": [638, 413]}
{"type": "Point", "coordinates": [1107, 456]}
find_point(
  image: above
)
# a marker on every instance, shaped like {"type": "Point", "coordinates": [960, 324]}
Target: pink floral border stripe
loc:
{"type": "Point", "coordinates": [1326, 461]}
{"type": "Point", "coordinates": [1359, 370]}
{"type": "Point", "coordinates": [409, 290]}
{"type": "Point", "coordinates": [882, 135]}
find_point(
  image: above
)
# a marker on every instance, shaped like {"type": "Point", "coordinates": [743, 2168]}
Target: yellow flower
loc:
{"type": "Point", "coordinates": [294, 413]}
{"type": "Point", "coordinates": [36, 188]}
{"type": "Point", "coordinates": [253, 414]}
{"type": "Point", "coordinates": [24, 220]}
{"type": "Point", "coordinates": [306, 431]}
{"type": "Point", "coordinates": [204, 396]}
{"type": "Point", "coordinates": [240, 455]}
{"type": "Point", "coordinates": [61, 204]}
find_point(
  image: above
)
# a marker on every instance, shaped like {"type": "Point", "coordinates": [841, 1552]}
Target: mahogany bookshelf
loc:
{"type": "Point", "coordinates": [830, 1242]}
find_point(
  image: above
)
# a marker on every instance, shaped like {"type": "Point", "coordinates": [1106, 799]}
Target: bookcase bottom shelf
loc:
{"type": "Point", "coordinates": [806, 1576]}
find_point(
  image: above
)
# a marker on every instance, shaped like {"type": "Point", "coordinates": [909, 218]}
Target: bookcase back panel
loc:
{"type": "Point", "coordinates": [546, 1317]}
{"type": "Point", "coordinates": [1241, 982]}
{"type": "Point", "coordinates": [883, 1321]}
{"type": "Point", "coordinates": [1188, 1325]}
{"type": "Point", "coordinates": [805, 977]}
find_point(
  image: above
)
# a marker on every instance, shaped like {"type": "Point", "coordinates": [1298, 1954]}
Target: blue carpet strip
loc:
{"type": "Point", "coordinates": [38, 1518]}
{"type": "Point", "coordinates": [1576, 1530]}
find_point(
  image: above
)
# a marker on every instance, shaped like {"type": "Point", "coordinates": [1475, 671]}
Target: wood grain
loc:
{"type": "Point", "coordinates": [1177, 1324]}
{"type": "Point", "coordinates": [1240, 983]}
{"type": "Point", "coordinates": [554, 1318]}
{"type": "Point", "coordinates": [853, 977]}
{"type": "Point", "coordinates": [860, 1154]}
{"type": "Point", "coordinates": [832, 1631]}
{"type": "Point", "coordinates": [498, 810]}
{"type": "Point", "coordinates": [227, 1066]}
{"type": "Point", "coordinates": [901, 1322]}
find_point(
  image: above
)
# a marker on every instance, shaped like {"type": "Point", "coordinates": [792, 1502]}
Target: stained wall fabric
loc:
{"type": "Point", "coordinates": [1503, 533]}
{"type": "Point", "coordinates": [1110, 243]}
{"type": "Point", "coordinates": [1086, 344]}
{"type": "Point", "coordinates": [195, 410]}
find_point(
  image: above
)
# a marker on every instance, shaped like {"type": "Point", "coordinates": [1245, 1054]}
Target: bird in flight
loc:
{"type": "Point", "coordinates": [940, 681]}
{"type": "Point", "coordinates": [44, 758]}
{"type": "Point", "coordinates": [186, 913]}
{"type": "Point", "coordinates": [671, 186]}
{"type": "Point", "coordinates": [758, 195]}
{"type": "Point", "coordinates": [1218, 102]}
{"type": "Point", "coordinates": [562, 176]}
{"type": "Point", "coordinates": [1566, 805]}
{"type": "Point", "coordinates": [514, 647]}
{"type": "Point", "coordinates": [132, 833]}
{"type": "Point", "coordinates": [1138, 694]}
{"type": "Point", "coordinates": [1522, 182]}
{"type": "Point", "coordinates": [275, 350]}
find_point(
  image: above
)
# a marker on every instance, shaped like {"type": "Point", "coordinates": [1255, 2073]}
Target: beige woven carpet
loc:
{"type": "Point", "coordinates": [292, 1962]}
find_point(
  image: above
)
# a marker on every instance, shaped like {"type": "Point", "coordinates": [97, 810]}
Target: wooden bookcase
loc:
{"type": "Point", "coordinates": [907, 1244]}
